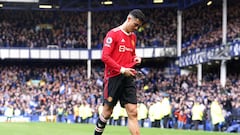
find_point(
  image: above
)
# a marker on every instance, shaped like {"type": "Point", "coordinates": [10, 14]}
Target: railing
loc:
{"type": "Point", "coordinates": [77, 54]}
{"type": "Point", "coordinates": [218, 53]}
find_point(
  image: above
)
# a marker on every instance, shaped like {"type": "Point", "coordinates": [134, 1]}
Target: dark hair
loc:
{"type": "Point", "coordinates": [137, 13]}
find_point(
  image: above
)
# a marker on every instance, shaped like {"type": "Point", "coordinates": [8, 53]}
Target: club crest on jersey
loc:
{"type": "Point", "coordinates": [133, 43]}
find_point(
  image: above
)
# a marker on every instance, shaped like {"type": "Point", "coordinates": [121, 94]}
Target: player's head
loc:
{"type": "Point", "coordinates": [138, 14]}
{"type": "Point", "coordinates": [135, 19]}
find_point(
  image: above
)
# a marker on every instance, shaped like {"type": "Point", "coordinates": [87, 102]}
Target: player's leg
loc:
{"type": "Point", "coordinates": [102, 119]}
{"type": "Point", "coordinates": [132, 119]}
{"type": "Point", "coordinates": [111, 87]}
{"type": "Point", "coordinates": [129, 101]}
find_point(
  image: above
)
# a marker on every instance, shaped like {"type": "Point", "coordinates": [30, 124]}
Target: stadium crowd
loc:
{"type": "Point", "coordinates": [209, 35]}
{"type": "Point", "coordinates": [202, 27]}
{"type": "Point", "coordinates": [65, 93]}
{"type": "Point", "coordinates": [38, 29]}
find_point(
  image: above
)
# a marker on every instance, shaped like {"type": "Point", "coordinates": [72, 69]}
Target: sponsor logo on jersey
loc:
{"type": "Point", "coordinates": [123, 48]}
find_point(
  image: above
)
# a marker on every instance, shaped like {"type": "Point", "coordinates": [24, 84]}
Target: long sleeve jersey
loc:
{"type": "Point", "coordinates": [118, 51]}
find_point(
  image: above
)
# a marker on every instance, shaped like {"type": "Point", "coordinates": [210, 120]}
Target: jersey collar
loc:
{"type": "Point", "coordinates": [128, 34]}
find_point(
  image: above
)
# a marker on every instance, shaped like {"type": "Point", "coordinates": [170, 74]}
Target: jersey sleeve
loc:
{"type": "Point", "coordinates": [108, 47]}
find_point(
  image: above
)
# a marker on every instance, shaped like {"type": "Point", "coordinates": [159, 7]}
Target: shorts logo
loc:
{"type": "Point", "coordinates": [109, 99]}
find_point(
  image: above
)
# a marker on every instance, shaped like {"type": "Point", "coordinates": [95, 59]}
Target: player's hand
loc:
{"type": "Point", "coordinates": [138, 60]}
{"type": "Point", "coordinates": [129, 72]}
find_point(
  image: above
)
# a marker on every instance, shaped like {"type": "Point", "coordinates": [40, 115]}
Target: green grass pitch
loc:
{"type": "Point", "coordinates": [87, 129]}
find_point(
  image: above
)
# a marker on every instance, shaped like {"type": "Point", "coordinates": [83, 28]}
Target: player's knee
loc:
{"type": "Point", "coordinates": [132, 113]}
{"type": "Point", "coordinates": [107, 112]}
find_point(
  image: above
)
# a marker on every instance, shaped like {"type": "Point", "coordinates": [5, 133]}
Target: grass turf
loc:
{"type": "Point", "coordinates": [87, 129]}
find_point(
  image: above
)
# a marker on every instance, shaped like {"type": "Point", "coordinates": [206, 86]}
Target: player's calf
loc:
{"type": "Point", "coordinates": [100, 125]}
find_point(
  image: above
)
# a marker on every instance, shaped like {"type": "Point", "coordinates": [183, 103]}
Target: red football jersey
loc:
{"type": "Point", "coordinates": [118, 51]}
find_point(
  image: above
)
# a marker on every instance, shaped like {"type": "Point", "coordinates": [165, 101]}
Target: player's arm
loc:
{"type": "Point", "coordinates": [108, 48]}
{"type": "Point", "coordinates": [137, 60]}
